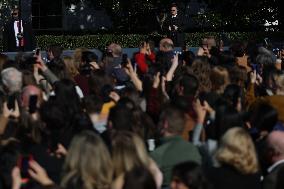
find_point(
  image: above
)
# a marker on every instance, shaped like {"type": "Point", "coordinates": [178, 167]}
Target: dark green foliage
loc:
{"type": "Point", "coordinates": [133, 40]}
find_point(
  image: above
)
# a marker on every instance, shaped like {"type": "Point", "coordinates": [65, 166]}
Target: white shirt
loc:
{"type": "Point", "coordinates": [16, 29]}
{"type": "Point", "coordinates": [270, 169]}
{"type": "Point", "coordinates": [174, 16]}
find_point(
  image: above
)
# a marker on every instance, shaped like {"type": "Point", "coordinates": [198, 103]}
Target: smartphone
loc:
{"type": "Point", "coordinates": [256, 67]}
{"type": "Point", "coordinates": [124, 61]}
{"type": "Point", "coordinates": [11, 102]}
{"type": "Point", "coordinates": [37, 51]}
{"type": "Point", "coordinates": [33, 104]}
{"type": "Point", "coordinates": [202, 98]}
{"type": "Point", "coordinates": [23, 164]}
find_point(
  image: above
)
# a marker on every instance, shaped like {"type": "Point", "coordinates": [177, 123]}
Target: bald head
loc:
{"type": "Point", "coordinates": [275, 141]}
{"type": "Point", "coordinates": [29, 91]}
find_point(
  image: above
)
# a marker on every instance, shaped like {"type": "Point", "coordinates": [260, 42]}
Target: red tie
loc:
{"type": "Point", "coordinates": [21, 41]}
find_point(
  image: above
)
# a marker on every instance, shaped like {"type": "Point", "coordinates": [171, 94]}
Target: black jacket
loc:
{"type": "Point", "coordinates": [178, 35]}
{"type": "Point", "coordinates": [9, 39]}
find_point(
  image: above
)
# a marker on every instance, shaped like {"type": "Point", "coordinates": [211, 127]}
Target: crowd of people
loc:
{"type": "Point", "coordinates": [206, 120]}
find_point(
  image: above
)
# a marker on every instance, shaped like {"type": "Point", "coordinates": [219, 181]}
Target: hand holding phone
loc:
{"type": "Point", "coordinates": [23, 164]}
{"type": "Point", "coordinates": [37, 51]}
{"type": "Point", "coordinates": [33, 104]}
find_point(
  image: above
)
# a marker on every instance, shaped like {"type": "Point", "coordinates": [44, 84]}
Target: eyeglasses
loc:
{"type": "Point", "coordinates": [15, 14]}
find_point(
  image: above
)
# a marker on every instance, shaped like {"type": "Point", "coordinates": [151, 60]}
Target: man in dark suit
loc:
{"type": "Point", "coordinates": [275, 141]}
{"type": "Point", "coordinates": [18, 34]}
{"type": "Point", "coordinates": [174, 25]}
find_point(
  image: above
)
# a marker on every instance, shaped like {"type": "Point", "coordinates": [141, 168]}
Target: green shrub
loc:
{"type": "Point", "coordinates": [133, 40]}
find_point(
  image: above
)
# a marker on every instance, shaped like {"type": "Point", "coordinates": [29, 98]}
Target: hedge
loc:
{"type": "Point", "coordinates": [133, 40]}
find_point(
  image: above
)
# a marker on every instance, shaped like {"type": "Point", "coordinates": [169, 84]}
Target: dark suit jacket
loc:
{"type": "Point", "coordinates": [270, 180]}
{"type": "Point", "coordinates": [176, 36]}
{"type": "Point", "coordinates": [9, 39]}
{"type": "Point", "coordinates": [227, 177]}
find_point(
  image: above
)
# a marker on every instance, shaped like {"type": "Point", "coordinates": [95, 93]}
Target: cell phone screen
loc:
{"type": "Point", "coordinates": [124, 60]}
{"type": "Point", "coordinates": [33, 104]}
{"type": "Point", "coordinates": [23, 164]}
{"type": "Point", "coordinates": [11, 102]}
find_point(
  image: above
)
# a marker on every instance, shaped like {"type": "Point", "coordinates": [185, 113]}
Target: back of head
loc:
{"type": "Point", "coordinates": [227, 58]}
{"type": "Point", "coordinates": [226, 118]}
{"type": "Point", "coordinates": [189, 85]}
{"type": "Point", "coordinates": [92, 104]}
{"type": "Point", "coordinates": [56, 50]}
{"type": "Point", "coordinates": [66, 97]}
{"type": "Point", "coordinates": [263, 117]}
{"type": "Point", "coordinates": [238, 49]}
{"type": "Point", "coordinates": [139, 178]}
{"type": "Point", "coordinates": [70, 66]}
{"type": "Point", "coordinates": [81, 166]}
{"type": "Point", "coordinates": [65, 88]}
{"type": "Point", "coordinates": [233, 94]}
{"type": "Point", "coordinates": [201, 69]}
{"type": "Point", "coordinates": [172, 120]}
{"type": "Point", "coordinates": [237, 149]}
{"type": "Point", "coordinates": [58, 67]}
{"type": "Point", "coordinates": [128, 151]}
{"type": "Point", "coordinates": [188, 57]}
{"type": "Point", "coordinates": [190, 174]}
{"type": "Point", "coordinates": [77, 55]}
{"type": "Point", "coordinates": [238, 75]}
{"type": "Point", "coordinates": [12, 79]}
{"type": "Point", "coordinates": [88, 56]}
{"type": "Point", "coordinates": [219, 78]}
{"type": "Point", "coordinates": [120, 118]}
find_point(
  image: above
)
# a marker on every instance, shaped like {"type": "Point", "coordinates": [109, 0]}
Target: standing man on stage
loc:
{"type": "Point", "coordinates": [174, 25]}
{"type": "Point", "coordinates": [18, 34]}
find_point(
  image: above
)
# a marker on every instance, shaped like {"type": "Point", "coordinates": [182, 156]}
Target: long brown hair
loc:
{"type": "Point", "coordinates": [88, 162]}
{"type": "Point", "coordinates": [128, 151]}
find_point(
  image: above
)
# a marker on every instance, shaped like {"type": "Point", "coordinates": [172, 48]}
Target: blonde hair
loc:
{"type": "Point", "coordinates": [70, 66]}
{"type": "Point", "coordinates": [128, 151]}
{"type": "Point", "coordinates": [88, 162]}
{"type": "Point", "coordinates": [237, 150]}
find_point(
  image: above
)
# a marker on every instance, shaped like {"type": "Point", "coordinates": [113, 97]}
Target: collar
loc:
{"type": "Point", "coordinates": [270, 169]}
{"type": "Point", "coordinates": [174, 16]}
{"type": "Point", "coordinates": [171, 138]}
